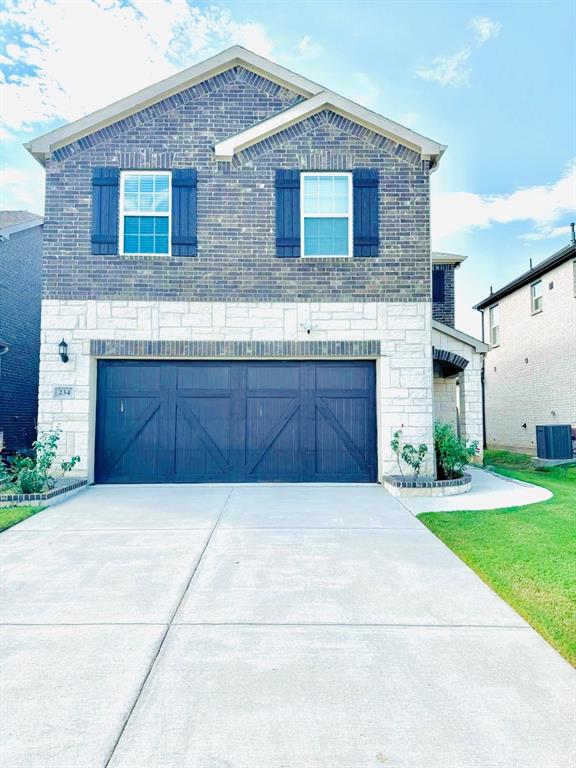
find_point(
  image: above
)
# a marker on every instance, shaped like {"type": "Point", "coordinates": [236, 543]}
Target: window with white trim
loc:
{"type": "Point", "coordinates": [536, 296]}
{"type": "Point", "coordinates": [145, 202]}
{"type": "Point", "coordinates": [494, 324]}
{"type": "Point", "coordinates": [326, 214]}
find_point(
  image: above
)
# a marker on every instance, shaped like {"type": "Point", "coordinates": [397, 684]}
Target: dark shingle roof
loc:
{"type": "Point", "coordinates": [568, 252]}
{"type": "Point", "coordinates": [12, 218]}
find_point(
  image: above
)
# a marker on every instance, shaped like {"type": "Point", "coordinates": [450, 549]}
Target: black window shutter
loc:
{"type": "Point", "coordinates": [184, 212]}
{"type": "Point", "coordinates": [287, 213]}
{"type": "Point", "coordinates": [105, 211]}
{"type": "Point", "coordinates": [366, 232]}
{"type": "Point", "coordinates": [438, 286]}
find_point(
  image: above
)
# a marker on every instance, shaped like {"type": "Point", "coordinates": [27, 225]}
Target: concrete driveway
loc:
{"type": "Point", "coordinates": [263, 627]}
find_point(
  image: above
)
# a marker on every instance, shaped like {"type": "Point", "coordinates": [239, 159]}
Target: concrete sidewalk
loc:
{"type": "Point", "coordinates": [263, 627]}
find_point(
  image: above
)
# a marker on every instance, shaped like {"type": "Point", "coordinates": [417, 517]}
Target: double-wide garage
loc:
{"type": "Point", "coordinates": [232, 421]}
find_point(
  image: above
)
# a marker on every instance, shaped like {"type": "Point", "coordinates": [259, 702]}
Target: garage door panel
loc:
{"type": "Point", "coordinates": [193, 421]}
{"type": "Point", "coordinates": [273, 437]}
{"type": "Point", "coordinates": [202, 440]}
{"type": "Point", "coordinates": [133, 435]}
{"type": "Point", "coordinates": [341, 437]}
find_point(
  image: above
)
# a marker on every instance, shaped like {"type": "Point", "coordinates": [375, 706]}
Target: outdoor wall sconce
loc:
{"type": "Point", "coordinates": [63, 351]}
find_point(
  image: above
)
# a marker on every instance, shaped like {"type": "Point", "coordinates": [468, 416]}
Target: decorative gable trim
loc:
{"type": "Point", "coordinates": [171, 89]}
{"type": "Point", "coordinates": [279, 141]}
{"type": "Point", "coordinates": [426, 148]}
{"type": "Point", "coordinates": [214, 72]}
{"type": "Point", "coordinates": [236, 74]}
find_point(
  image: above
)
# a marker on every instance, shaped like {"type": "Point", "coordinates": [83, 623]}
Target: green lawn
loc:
{"type": "Point", "coordinates": [9, 516]}
{"type": "Point", "coordinates": [526, 554]}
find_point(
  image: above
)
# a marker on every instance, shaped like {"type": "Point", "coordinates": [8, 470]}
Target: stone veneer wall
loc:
{"type": "Point", "coordinates": [404, 368]}
{"type": "Point", "coordinates": [470, 380]}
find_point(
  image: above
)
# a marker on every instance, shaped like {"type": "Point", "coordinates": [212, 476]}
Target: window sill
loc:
{"type": "Point", "coordinates": [537, 312]}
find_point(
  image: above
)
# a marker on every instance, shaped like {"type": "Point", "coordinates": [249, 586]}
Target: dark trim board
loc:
{"type": "Point", "coordinates": [236, 421]}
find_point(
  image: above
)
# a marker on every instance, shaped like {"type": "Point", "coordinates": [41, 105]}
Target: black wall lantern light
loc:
{"type": "Point", "coordinates": [63, 351]}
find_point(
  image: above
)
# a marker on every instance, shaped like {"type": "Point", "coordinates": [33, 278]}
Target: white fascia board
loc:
{"type": "Point", "coordinates": [225, 150]}
{"type": "Point", "coordinates": [42, 146]}
{"type": "Point", "coordinates": [476, 344]}
{"type": "Point", "coordinates": [447, 258]}
{"type": "Point", "coordinates": [5, 232]}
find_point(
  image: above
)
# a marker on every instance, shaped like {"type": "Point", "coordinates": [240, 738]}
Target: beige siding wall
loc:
{"type": "Point", "coordinates": [531, 375]}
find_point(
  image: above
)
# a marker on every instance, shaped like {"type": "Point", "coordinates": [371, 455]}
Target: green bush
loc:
{"type": "Point", "coordinates": [410, 455]}
{"type": "Point", "coordinates": [29, 481]}
{"type": "Point", "coordinates": [453, 453]}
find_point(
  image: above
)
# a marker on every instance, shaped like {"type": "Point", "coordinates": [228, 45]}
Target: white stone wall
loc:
{"type": "Point", "coordinates": [470, 388]}
{"type": "Point", "coordinates": [445, 401]}
{"type": "Point", "coordinates": [531, 375]}
{"type": "Point", "coordinates": [404, 372]}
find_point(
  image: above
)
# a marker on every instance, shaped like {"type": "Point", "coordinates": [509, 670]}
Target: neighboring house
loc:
{"type": "Point", "coordinates": [20, 297]}
{"type": "Point", "coordinates": [530, 376]}
{"type": "Point", "coordinates": [239, 262]}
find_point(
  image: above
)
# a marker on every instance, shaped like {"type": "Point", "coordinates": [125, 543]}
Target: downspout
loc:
{"type": "Point", "coordinates": [483, 386]}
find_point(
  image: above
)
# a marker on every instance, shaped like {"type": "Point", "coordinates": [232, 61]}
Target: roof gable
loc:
{"type": "Point", "coordinates": [315, 99]}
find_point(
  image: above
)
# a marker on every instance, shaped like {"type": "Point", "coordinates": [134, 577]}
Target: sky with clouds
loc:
{"type": "Point", "coordinates": [495, 81]}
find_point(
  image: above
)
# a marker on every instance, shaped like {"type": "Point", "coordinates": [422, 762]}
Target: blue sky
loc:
{"type": "Point", "coordinates": [496, 82]}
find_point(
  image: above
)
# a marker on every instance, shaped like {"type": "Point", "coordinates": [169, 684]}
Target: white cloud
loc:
{"type": "Point", "coordinates": [22, 190]}
{"type": "Point", "coordinates": [542, 206]}
{"type": "Point", "coordinates": [80, 56]}
{"type": "Point", "coordinates": [484, 28]}
{"type": "Point", "coordinates": [308, 49]}
{"type": "Point", "coordinates": [454, 70]}
{"type": "Point", "coordinates": [448, 70]}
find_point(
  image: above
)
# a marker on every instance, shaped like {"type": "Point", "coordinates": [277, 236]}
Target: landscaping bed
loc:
{"type": "Point", "coordinates": [526, 554]}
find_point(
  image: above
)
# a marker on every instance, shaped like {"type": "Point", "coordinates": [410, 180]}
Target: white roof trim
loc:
{"type": "Point", "coordinates": [478, 345]}
{"type": "Point", "coordinates": [225, 150]}
{"type": "Point", "coordinates": [447, 258]}
{"type": "Point", "coordinates": [316, 99]}
{"type": "Point", "coordinates": [42, 146]}
{"type": "Point", "coordinates": [5, 232]}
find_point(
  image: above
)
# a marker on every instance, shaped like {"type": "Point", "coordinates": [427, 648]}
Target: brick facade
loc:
{"type": "Point", "coordinates": [20, 295]}
{"type": "Point", "coordinates": [444, 311]}
{"type": "Point", "coordinates": [236, 205]}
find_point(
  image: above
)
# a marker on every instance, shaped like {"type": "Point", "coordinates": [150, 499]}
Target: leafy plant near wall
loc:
{"type": "Point", "coordinates": [408, 453]}
{"type": "Point", "coordinates": [24, 474]}
{"type": "Point", "coordinates": [453, 453]}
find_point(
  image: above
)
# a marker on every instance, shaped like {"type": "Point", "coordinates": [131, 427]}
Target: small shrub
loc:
{"type": "Point", "coordinates": [35, 474]}
{"type": "Point", "coordinates": [453, 453]}
{"type": "Point", "coordinates": [409, 454]}
{"type": "Point", "coordinates": [29, 481]}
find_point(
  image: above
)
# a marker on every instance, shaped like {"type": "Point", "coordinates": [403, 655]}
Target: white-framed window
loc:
{"type": "Point", "coordinates": [145, 203]}
{"type": "Point", "coordinates": [326, 214]}
{"type": "Point", "coordinates": [536, 296]}
{"type": "Point", "coordinates": [494, 325]}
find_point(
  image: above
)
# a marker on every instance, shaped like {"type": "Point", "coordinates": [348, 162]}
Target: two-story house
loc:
{"type": "Point", "coordinates": [20, 297]}
{"type": "Point", "coordinates": [530, 378]}
{"type": "Point", "coordinates": [239, 263]}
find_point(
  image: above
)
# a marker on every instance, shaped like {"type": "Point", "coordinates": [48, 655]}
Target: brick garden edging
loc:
{"type": "Point", "coordinates": [46, 498]}
{"type": "Point", "coordinates": [426, 486]}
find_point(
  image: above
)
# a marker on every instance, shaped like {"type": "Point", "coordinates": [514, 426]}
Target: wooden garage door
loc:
{"type": "Point", "coordinates": [188, 422]}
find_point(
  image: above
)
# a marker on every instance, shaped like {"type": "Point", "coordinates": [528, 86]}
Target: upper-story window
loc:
{"type": "Point", "coordinates": [494, 323]}
{"type": "Point", "coordinates": [145, 212]}
{"type": "Point", "coordinates": [326, 207]}
{"type": "Point", "coordinates": [536, 296]}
